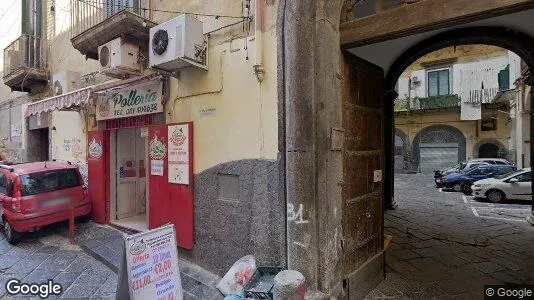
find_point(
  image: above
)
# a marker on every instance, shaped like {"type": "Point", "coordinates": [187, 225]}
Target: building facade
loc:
{"type": "Point", "coordinates": [291, 151]}
{"type": "Point", "coordinates": [436, 125]}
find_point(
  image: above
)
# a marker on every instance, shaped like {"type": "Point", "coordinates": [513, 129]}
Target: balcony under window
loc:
{"type": "Point", "coordinates": [25, 64]}
{"type": "Point", "coordinates": [95, 23]}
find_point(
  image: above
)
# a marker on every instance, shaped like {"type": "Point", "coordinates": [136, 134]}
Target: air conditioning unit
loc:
{"type": "Point", "coordinates": [65, 81]}
{"type": "Point", "coordinates": [178, 43]}
{"type": "Point", "coordinates": [119, 59]}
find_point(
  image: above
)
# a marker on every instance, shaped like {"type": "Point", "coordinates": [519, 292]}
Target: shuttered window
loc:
{"type": "Point", "coordinates": [438, 82]}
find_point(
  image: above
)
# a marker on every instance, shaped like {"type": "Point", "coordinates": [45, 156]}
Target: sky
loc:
{"type": "Point", "coordinates": [10, 14]}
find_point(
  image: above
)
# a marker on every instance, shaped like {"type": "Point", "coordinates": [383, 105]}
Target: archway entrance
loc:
{"type": "Point", "coordinates": [325, 104]}
{"type": "Point", "coordinates": [488, 150]}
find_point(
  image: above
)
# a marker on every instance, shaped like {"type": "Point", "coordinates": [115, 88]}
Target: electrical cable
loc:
{"type": "Point", "coordinates": [9, 8]}
{"type": "Point", "coordinates": [93, 4]}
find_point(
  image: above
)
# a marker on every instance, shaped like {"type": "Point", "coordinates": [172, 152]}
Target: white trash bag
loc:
{"type": "Point", "coordinates": [238, 276]}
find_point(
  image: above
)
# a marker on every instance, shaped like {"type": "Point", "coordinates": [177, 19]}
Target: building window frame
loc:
{"type": "Point", "coordinates": [438, 71]}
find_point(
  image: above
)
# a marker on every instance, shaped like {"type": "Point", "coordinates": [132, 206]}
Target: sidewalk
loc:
{"type": "Point", "coordinates": [104, 243]}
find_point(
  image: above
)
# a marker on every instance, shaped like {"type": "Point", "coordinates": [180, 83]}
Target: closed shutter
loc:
{"type": "Point", "coordinates": [437, 156]}
{"type": "Point", "coordinates": [438, 150]}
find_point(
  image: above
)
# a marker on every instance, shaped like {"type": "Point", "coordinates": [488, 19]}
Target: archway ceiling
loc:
{"type": "Point", "coordinates": [383, 54]}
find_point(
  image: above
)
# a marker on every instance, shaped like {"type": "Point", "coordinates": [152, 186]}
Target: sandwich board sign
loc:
{"type": "Point", "coordinates": [149, 266]}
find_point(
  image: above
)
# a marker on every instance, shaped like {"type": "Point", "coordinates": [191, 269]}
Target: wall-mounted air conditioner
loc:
{"type": "Point", "coordinates": [178, 43]}
{"type": "Point", "coordinates": [64, 82]}
{"type": "Point", "coordinates": [119, 58]}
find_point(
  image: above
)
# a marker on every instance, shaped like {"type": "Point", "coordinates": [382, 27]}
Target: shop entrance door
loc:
{"type": "Point", "coordinates": [131, 178]}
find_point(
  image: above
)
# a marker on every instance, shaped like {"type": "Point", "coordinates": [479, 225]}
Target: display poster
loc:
{"type": "Point", "coordinates": [179, 156]}
{"type": "Point", "coordinates": [135, 100]}
{"type": "Point", "coordinates": [152, 265]}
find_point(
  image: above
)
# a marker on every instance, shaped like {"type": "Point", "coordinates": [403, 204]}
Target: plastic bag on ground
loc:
{"type": "Point", "coordinates": [238, 276]}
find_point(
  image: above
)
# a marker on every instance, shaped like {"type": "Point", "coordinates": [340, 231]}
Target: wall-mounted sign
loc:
{"type": "Point", "coordinates": [377, 175]}
{"type": "Point", "coordinates": [488, 125]}
{"type": "Point", "coordinates": [207, 111]}
{"type": "Point", "coordinates": [156, 167]}
{"type": "Point", "coordinates": [157, 148]}
{"type": "Point", "coordinates": [16, 130]}
{"type": "Point", "coordinates": [132, 101]}
{"type": "Point", "coordinates": [150, 265]}
{"type": "Point", "coordinates": [179, 154]}
{"type": "Point", "coordinates": [95, 149]}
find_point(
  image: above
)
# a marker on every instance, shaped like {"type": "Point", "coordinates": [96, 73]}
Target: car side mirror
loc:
{"type": "Point", "coordinates": [512, 180]}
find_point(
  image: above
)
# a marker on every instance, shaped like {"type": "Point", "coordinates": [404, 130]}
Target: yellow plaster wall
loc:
{"type": "Point", "coordinates": [417, 121]}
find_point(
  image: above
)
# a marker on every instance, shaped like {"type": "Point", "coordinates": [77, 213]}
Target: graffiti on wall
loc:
{"type": "Point", "coordinates": [75, 148]}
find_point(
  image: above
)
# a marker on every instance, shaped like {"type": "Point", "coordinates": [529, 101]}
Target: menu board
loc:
{"type": "Point", "coordinates": [152, 265]}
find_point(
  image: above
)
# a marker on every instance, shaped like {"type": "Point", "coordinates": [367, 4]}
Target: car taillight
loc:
{"type": "Point", "coordinates": [17, 194]}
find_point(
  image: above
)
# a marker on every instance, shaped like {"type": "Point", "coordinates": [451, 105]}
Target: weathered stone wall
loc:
{"type": "Point", "coordinates": [238, 212]}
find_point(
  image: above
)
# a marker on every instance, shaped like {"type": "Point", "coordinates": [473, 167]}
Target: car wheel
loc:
{"type": "Point", "coordinates": [457, 187]}
{"type": "Point", "coordinates": [495, 196]}
{"type": "Point", "coordinates": [11, 235]}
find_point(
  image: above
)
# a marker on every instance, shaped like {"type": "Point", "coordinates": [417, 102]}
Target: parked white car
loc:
{"type": "Point", "coordinates": [515, 185]}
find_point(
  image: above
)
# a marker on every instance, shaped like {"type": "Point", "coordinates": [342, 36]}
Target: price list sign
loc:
{"type": "Point", "coordinates": [152, 265]}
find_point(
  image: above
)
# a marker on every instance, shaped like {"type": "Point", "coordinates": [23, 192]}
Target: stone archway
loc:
{"type": "Point", "coordinates": [402, 145]}
{"type": "Point", "coordinates": [487, 148]}
{"type": "Point", "coordinates": [310, 83]}
{"type": "Point", "coordinates": [445, 143]}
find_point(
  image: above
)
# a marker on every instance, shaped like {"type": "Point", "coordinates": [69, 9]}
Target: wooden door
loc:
{"type": "Point", "coordinates": [363, 161]}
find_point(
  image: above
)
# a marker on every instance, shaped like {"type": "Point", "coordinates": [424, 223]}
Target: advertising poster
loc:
{"type": "Point", "coordinates": [179, 154]}
{"type": "Point", "coordinates": [152, 265]}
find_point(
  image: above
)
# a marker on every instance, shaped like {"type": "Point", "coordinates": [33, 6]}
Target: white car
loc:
{"type": "Point", "coordinates": [515, 185]}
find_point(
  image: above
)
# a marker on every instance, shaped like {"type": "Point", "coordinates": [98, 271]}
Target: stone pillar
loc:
{"type": "Point", "coordinates": [389, 144]}
{"type": "Point", "coordinates": [299, 60]}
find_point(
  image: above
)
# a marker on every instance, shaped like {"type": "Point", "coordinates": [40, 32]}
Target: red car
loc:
{"type": "Point", "coordinates": [36, 194]}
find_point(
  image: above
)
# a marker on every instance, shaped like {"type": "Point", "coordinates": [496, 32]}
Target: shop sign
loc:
{"type": "Point", "coordinates": [95, 149]}
{"type": "Point", "coordinates": [157, 148]}
{"type": "Point", "coordinates": [179, 154]}
{"type": "Point", "coordinates": [132, 101]}
{"type": "Point", "coordinates": [150, 264]}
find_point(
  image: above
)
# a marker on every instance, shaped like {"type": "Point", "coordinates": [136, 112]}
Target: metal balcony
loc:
{"type": "Point", "coordinates": [435, 102]}
{"type": "Point", "coordinates": [96, 22]}
{"type": "Point", "coordinates": [25, 64]}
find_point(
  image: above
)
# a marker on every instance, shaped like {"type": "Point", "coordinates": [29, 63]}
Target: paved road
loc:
{"type": "Point", "coordinates": [47, 255]}
{"type": "Point", "coordinates": [446, 246]}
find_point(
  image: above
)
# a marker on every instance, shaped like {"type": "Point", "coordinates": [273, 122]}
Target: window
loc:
{"type": "Point", "coordinates": [438, 82]}
{"type": "Point", "coordinates": [38, 183]}
{"type": "Point", "coordinates": [525, 177]}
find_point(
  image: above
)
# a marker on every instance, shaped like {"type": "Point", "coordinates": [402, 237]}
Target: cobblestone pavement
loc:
{"type": "Point", "coordinates": [47, 255]}
{"type": "Point", "coordinates": [447, 246]}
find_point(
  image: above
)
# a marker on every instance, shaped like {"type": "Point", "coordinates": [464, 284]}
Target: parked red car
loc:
{"type": "Point", "coordinates": [36, 194]}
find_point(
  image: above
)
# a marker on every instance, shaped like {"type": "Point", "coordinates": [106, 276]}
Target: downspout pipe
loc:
{"type": "Point", "coordinates": [258, 35]}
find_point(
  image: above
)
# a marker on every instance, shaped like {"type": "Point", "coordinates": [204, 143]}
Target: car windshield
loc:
{"type": "Point", "coordinates": [37, 183]}
{"type": "Point", "coordinates": [512, 173]}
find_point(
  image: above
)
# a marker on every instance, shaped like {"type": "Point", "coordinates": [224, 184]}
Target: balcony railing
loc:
{"type": "Point", "coordinates": [435, 102]}
{"type": "Point", "coordinates": [88, 13]}
{"type": "Point", "coordinates": [25, 52]}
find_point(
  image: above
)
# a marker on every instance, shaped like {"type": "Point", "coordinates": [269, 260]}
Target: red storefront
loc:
{"type": "Point", "coordinates": [140, 170]}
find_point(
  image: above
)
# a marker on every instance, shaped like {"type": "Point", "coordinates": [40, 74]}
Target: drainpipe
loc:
{"type": "Point", "coordinates": [258, 59]}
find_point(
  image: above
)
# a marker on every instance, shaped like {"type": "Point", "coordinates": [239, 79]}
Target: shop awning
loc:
{"type": "Point", "coordinates": [59, 102]}
{"type": "Point", "coordinates": [82, 95]}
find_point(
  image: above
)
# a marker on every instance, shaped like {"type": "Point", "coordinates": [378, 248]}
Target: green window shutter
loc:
{"type": "Point", "coordinates": [438, 83]}
{"type": "Point", "coordinates": [504, 79]}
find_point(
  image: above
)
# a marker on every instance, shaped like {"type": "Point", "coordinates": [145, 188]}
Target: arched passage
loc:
{"type": "Point", "coordinates": [487, 148]}
{"type": "Point", "coordinates": [402, 144]}
{"type": "Point", "coordinates": [437, 147]}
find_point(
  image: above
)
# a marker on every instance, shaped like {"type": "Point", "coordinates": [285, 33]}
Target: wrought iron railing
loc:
{"type": "Point", "coordinates": [434, 102]}
{"type": "Point", "coordinates": [85, 14]}
{"type": "Point", "coordinates": [26, 51]}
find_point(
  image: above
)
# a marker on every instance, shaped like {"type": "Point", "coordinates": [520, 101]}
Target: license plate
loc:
{"type": "Point", "coordinates": [55, 202]}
